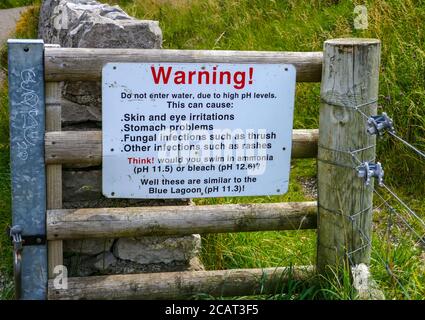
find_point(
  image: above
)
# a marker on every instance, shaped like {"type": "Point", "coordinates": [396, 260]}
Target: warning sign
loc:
{"type": "Point", "coordinates": [189, 130]}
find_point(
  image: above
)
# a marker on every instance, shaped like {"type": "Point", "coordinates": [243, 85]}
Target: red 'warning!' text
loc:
{"type": "Point", "coordinates": [238, 79]}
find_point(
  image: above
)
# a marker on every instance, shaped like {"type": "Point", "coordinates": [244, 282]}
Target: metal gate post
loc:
{"type": "Point", "coordinates": [27, 126]}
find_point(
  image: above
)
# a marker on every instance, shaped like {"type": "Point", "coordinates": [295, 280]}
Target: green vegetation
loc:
{"type": "Point", "coordinates": [26, 28]}
{"type": "Point", "coordinates": [6, 4]}
{"type": "Point", "coordinates": [299, 26]}
{"type": "Point", "coordinates": [304, 26]}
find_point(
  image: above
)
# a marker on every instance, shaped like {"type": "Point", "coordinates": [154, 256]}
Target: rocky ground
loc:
{"type": "Point", "coordinates": [309, 186]}
{"type": "Point", "coordinates": [8, 19]}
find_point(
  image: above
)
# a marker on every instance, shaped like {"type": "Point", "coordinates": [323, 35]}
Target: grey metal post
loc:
{"type": "Point", "coordinates": [27, 126]}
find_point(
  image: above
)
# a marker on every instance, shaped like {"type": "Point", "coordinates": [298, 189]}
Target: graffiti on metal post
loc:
{"type": "Point", "coordinates": [28, 115]}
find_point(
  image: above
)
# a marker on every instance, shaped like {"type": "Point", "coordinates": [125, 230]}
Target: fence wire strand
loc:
{"type": "Point", "coordinates": [404, 204]}
{"type": "Point", "coordinates": [393, 210]}
{"type": "Point", "coordinates": [419, 152]}
{"type": "Point", "coordinates": [385, 261]}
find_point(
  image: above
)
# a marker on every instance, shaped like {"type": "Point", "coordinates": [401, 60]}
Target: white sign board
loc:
{"type": "Point", "coordinates": [190, 130]}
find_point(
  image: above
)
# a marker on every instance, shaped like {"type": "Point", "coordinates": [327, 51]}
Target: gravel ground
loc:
{"type": "Point", "coordinates": [309, 187]}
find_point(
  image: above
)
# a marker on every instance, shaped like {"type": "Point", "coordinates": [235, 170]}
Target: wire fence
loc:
{"type": "Point", "coordinates": [399, 213]}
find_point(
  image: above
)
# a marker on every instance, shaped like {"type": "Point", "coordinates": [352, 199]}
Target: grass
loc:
{"type": "Point", "coordinates": [263, 249]}
{"type": "Point", "coordinates": [26, 28]}
{"type": "Point", "coordinates": [304, 26]}
{"type": "Point", "coordinates": [299, 26]}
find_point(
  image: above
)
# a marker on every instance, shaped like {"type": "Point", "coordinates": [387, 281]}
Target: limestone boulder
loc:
{"type": "Point", "coordinates": [87, 246]}
{"type": "Point", "coordinates": [90, 24]}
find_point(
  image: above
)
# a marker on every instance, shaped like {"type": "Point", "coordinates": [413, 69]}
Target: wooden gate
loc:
{"type": "Point", "coordinates": [348, 70]}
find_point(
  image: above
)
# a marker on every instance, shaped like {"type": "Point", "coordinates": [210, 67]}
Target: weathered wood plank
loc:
{"type": "Point", "coordinates": [85, 147]}
{"type": "Point", "coordinates": [350, 78]}
{"type": "Point", "coordinates": [86, 64]}
{"type": "Point", "coordinates": [179, 220]}
{"type": "Point", "coordinates": [74, 147]}
{"type": "Point", "coordinates": [304, 143]}
{"type": "Point", "coordinates": [179, 285]}
{"type": "Point", "coordinates": [54, 171]}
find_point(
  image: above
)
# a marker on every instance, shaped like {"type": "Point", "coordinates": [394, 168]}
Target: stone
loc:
{"type": "Point", "coordinates": [103, 261]}
{"type": "Point", "coordinates": [83, 93]}
{"type": "Point", "coordinates": [90, 24]}
{"type": "Point", "coordinates": [195, 264]}
{"type": "Point", "coordinates": [81, 185]}
{"type": "Point", "coordinates": [85, 265]}
{"type": "Point", "coordinates": [74, 114]}
{"type": "Point", "coordinates": [87, 246]}
{"type": "Point", "coordinates": [366, 288]}
{"type": "Point", "coordinates": [129, 267]}
{"type": "Point", "coordinates": [149, 250]}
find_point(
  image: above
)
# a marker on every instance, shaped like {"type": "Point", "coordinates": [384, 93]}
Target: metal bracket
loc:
{"type": "Point", "coordinates": [371, 170]}
{"type": "Point", "coordinates": [379, 124]}
{"type": "Point", "coordinates": [26, 240]}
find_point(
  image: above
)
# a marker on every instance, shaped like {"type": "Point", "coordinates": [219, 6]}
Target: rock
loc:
{"type": "Point", "coordinates": [87, 246]}
{"type": "Point", "coordinates": [84, 265]}
{"type": "Point", "coordinates": [366, 288]}
{"type": "Point", "coordinates": [158, 249]}
{"type": "Point", "coordinates": [76, 114]}
{"type": "Point", "coordinates": [82, 188]}
{"type": "Point", "coordinates": [103, 261]}
{"type": "Point", "coordinates": [90, 24]}
{"type": "Point", "coordinates": [128, 267]}
{"type": "Point", "coordinates": [195, 264]}
{"type": "Point", "coordinates": [83, 93]}
{"type": "Point", "coordinates": [77, 266]}
{"type": "Point", "coordinates": [81, 185]}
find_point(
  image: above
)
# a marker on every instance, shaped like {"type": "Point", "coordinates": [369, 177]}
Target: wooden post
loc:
{"type": "Point", "coordinates": [54, 171]}
{"type": "Point", "coordinates": [349, 78]}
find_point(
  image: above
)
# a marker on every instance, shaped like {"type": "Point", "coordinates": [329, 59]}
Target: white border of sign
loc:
{"type": "Point", "coordinates": [139, 116]}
